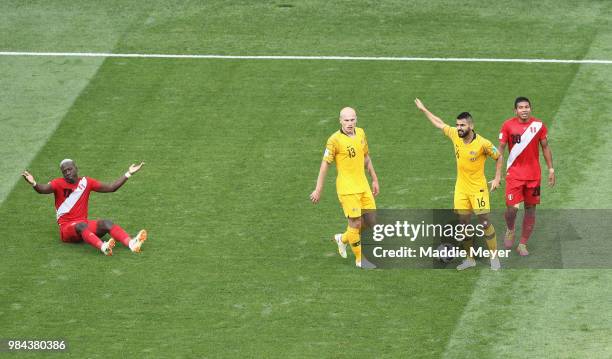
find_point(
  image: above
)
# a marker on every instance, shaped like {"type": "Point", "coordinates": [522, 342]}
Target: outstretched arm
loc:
{"type": "Point", "coordinates": [42, 188]}
{"type": "Point", "coordinates": [112, 187]}
{"type": "Point", "coordinates": [370, 167]}
{"type": "Point", "coordinates": [315, 196]}
{"type": "Point", "coordinates": [435, 120]}
{"type": "Point", "coordinates": [549, 162]}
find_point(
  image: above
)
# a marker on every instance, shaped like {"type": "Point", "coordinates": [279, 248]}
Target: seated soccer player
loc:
{"type": "Point", "coordinates": [72, 203]}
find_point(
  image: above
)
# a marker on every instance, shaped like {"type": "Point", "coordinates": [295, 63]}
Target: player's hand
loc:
{"type": "Point", "coordinates": [28, 177]}
{"type": "Point", "coordinates": [551, 178]}
{"type": "Point", "coordinates": [315, 196]}
{"type": "Point", "coordinates": [375, 188]}
{"type": "Point", "coordinates": [495, 184]}
{"type": "Point", "coordinates": [135, 168]}
{"type": "Point", "coordinates": [419, 104]}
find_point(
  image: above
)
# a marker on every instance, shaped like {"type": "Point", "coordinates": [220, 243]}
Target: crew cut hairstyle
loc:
{"type": "Point", "coordinates": [521, 99]}
{"type": "Point", "coordinates": [465, 116]}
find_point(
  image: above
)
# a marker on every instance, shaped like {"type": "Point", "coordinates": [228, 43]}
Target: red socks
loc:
{"type": "Point", "coordinates": [91, 238]}
{"type": "Point", "coordinates": [116, 232]}
{"type": "Point", "coordinates": [528, 224]}
{"type": "Point", "coordinates": [119, 234]}
{"type": "Point", "coordinates": [510, 219]}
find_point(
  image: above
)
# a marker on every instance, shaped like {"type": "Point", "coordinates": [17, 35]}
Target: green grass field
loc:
{"type": "Point", "coordinates": [238, 263]}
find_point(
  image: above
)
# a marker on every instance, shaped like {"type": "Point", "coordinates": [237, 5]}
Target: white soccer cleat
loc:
{"type": "Point", "coordinates": [341, 246]}
{"type": "Point", "coordinates": [467, 263]}
{"type": "Point", "coordinates": [495, 264]}
{"type": "Point", "coordinates": [107, 247]}
{"type": "Point", "coordinates": [136, 242]}
{"type": "Point", "coordinates": [365, 264]}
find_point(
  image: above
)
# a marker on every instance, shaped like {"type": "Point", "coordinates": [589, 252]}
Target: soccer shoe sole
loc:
{"type": "Point", "coordinates": [341, 246]}
{"type": "Point", "coordinates": [109, 249]}
{"type": "Point", "coordinates": [464, 265]}
{"type": "Point", "coordinates": [140, 238]}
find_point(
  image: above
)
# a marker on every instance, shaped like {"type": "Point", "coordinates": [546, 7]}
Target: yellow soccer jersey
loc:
{"type": "Point", "coordinates": [348, 153]}
{"type": "Point", "coordinates": [471, 161]}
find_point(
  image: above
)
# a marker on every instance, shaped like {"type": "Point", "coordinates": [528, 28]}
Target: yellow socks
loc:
{"type": "Point", "coordinates": [491, 238]}
{"type": "Point", "coordinates": [352, 236]}
{"type": "Point", "coordinates": [467, 245]}
{"type": "Point", "coordinates": [345, 235]}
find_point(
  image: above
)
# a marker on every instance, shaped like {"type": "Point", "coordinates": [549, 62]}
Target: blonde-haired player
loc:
{"type": "Point", "coordinates": [348, 148]}
{"type": "Point", "coordinates": [471, 192]}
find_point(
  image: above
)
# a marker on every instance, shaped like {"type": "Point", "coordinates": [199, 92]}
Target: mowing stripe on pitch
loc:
{"type": "Point", "coordinates": [289, 57]}
{"type": "Point", "coordinates": [551, 315]}
{"type": "Point", "coordinates": [38, 106]}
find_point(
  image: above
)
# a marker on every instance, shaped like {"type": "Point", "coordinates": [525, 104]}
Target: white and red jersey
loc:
{"type": "Point", "coordinates": [72, 199]}
{"type": "Point", "coordinates": [523, 139]}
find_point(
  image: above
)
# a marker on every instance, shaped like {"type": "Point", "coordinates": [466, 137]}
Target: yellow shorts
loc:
{"type": "Point", "coordinates": [355, 204]}
{"type": "Point", "coordinates": [475, 202]}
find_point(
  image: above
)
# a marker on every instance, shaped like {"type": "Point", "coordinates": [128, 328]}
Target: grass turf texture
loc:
{"type": "Point", "coordinates": [238, 262]}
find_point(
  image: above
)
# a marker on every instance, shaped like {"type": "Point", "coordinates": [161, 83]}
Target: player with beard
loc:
{"type": "Point", "coordinates": [471, 192]}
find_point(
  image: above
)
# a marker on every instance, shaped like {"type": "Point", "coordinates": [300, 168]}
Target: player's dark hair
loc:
{"type": "Point", "coordinates": [465, 116]}
{"type": "Point", "coordinates": [521, 99]}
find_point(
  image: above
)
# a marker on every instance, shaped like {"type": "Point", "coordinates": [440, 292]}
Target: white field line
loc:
{"type": "Point", "coordinates": [271, 57]}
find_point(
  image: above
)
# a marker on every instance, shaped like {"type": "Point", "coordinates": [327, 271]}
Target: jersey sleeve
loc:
{"type": "Point", "coordinates": [95, 184]}
{"type": "Point", "coordinates": [490, 150]}
{"type": "Point", "coordinates": [366, 149]}
{"type": "Point", "coordinates": [450, 132]}
{"type": "Point", "coordinates": [503, 133]}
{"type": "Point", "coordinates": [543, 132]}
{"type": "Point", "coordinates": [53, 184]}
{"type": "Point", "coordinates": [330, 151]}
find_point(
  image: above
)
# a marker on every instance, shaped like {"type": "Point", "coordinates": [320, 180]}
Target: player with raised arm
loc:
{"type": "Point", "coordinates": [471, 192]}
{"type": "Point", "coordinates": [72, 203]}
{"type": "Point", "coordinates": [348, 148]}
{"type": "Point", "coordinates": [522, 134]}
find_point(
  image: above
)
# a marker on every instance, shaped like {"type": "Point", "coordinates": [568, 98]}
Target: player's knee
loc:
{"type": "Point", "coordinates": [80, 227]}
{"type": "Point", "coordinates": [368, 220]}
{"type": "Point", "coordinates": [484, 221]}
{"type": "Point", "coordinates": [530, 210]}
{"type": "Point", "coordinates": [105, 224]}
{"type": "Point", "coordinates": [355, 222]}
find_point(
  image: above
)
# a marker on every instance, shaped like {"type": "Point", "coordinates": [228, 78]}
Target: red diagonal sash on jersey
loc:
{"type": "Point", "coordinates": [72, 199]}
{"type": "Point", "coordinates": [526, 137]}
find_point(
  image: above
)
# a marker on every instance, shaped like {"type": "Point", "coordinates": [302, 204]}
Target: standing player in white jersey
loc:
{"type": "Point", "coordinates": [523, 134]}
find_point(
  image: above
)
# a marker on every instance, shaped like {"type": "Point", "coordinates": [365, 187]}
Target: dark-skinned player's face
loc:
{"type": "Point", "coordinates": [523, 110]}
{"type": "Point", "coordinates": [70, 172]}
{"type": "Point", "coordinates": [464, 127]}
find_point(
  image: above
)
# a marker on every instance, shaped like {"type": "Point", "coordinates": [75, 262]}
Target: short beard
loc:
{"type": "Point", "coordinates": [465, 133]}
